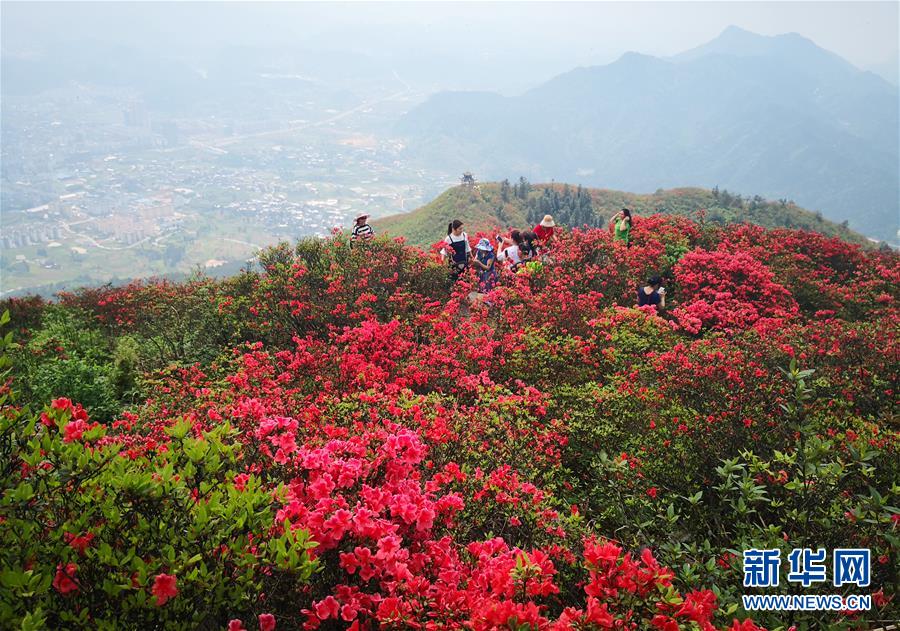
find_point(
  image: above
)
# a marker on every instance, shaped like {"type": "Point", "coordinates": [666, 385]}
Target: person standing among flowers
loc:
{"type": "Point", "coordinates": [362, 229]}
{"type": "Point", "coordinates": [510, 249]}
{"type": "Point", "coordinates": [544, 230]}
{"type": "Point", "coordinates": [652, 294]}
{"type": "Point", "coordinates": [621, 225]}
{"type": "Point", "coordinates": [484, 262]}
{"type": "Point", "coordinates": [529, 249]}
{"type": "Point", "coordinates": [457, 248]}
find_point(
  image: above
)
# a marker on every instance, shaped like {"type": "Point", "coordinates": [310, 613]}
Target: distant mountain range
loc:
{"type": "Point", "coordinates": [777, 116]}
{"type": "Point", "coordinates": [494, 205]}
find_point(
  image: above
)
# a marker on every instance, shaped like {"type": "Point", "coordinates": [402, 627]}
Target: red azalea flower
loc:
{"type": "Point", "coordinates": [61, 404]}
{"type": "Point", "coordinates": [74, 430]}
{"type": "Point", "coordinates": [746, 625]}
{"type": "Point", "coordinates": [164, 588]}
{"type": "Point", "coordinates": [240, 481]}
{"type": "Point", "coordinates": [664, 623]}
{"type": "Point", "coordinates": [327, 608]}
{"type": "Point", "coordinates": [79, 543]}
{"type": "Point", "coordinates": [390, 608]}
{"type": "Point", "coordinates": [266, 622]}
{"type": "Point", "coordinates": [64, 581]}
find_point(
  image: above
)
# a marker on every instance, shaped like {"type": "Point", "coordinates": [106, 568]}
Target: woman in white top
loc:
{"type": "Point", "coordinates": [457, 248]}
{"type": "Point", "coordinates": [509, 248]}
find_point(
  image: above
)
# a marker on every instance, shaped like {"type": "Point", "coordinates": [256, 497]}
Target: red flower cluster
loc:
{"type": "Point", "coordinates": [64, 582]}
{"type": "Point", "coordinates": [729, 291]}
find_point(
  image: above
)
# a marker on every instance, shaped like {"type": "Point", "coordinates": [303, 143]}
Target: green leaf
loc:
{"type": "Point", "coordinates": [37, 619]}
{"type": "Point", "coordinates": [11, 578]}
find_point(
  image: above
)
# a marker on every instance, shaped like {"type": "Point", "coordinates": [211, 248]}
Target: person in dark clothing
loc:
{"type": "Point", "coordinates": [361, 228]}
{"type": "Point", "coordinates": [652, 294]}
{"type": "Point", "coordinates": [457, 249]}
{"type": "Point", "coordinates": [529, 248]}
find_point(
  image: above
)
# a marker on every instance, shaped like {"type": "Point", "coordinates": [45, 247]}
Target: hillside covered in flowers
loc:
{"type": "Point", "coordinates": [341, 441]}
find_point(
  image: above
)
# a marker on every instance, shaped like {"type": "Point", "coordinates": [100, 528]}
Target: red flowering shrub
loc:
{"type": "Point", "coordinates": [341, 440]}
{"type": "Point", "coordinates": [96, 533]}
{"type": "Point", "coordinates": [826, 276]}
{"type": "Point", "coordinates": [729, 291]}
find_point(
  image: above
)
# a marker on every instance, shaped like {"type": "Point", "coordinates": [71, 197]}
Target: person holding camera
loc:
{"type": "Point", "coordinates": [510, 249]}
{"type": "Point", "coordinates": [529, 250]}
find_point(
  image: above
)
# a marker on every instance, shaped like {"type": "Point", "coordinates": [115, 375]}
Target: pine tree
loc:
{"type": "Point", "coordinates": [544, 204]}
{"type": "Point", "coordinates": [523, 188]}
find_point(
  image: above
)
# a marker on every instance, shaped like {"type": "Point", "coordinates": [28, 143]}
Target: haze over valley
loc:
{"type": "Point", "coordinates": [145, 139]}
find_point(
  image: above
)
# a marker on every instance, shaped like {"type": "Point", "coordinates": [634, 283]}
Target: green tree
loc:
{"type": "Point", "coordinates": [523, 189]}
{"type": "Point", "coordinates": [505, 191]}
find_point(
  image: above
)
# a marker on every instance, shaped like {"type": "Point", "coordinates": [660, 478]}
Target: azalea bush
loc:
{"type": "Point", "coordinates": [101, 533]}
{"type": "Point", "coordinates": [729, 290]}
{"type": "Point", "coordinates": [342, 439]}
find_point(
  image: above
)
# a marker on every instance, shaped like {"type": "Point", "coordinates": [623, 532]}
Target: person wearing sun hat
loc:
{"type": "Point", "coordinates": [544, 230]}
{"type": "Point", "coordinates": [362, 229]}
{"type": "Point", "coordinates": [484, 262]}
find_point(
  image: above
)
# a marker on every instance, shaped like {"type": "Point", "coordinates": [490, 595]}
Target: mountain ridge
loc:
{"type": "Point", "coordinates": [734, 40]}
{"type": "Point", "coordinates": [815, 129]}
{"type": "Point", "coordinates": [486, 209]}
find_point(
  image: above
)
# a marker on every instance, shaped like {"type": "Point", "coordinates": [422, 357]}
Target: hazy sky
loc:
{"type": "Point", "coordinates": [865, 33]}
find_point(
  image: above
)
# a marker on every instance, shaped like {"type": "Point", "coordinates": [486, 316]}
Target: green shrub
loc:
{"type": "Point", "coordinates": [69, 356]}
